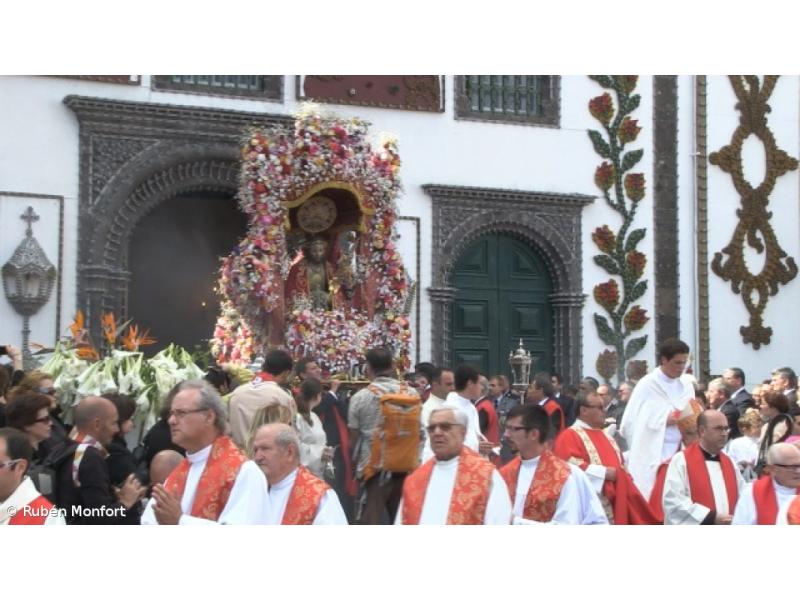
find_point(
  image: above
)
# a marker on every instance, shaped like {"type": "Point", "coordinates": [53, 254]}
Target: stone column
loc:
{"type": "Point", "coordinates": [567, 334]}
{"type": "Point", "coordinates": [442, 299]}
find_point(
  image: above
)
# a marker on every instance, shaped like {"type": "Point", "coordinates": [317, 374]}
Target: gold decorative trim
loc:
{"type": "Point", "coordinates": [326, 185]}
{"type": "Point", "coordinates": [754, 226]}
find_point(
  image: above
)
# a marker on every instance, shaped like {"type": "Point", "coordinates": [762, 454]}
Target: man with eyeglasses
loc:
{"type": "Point", "coordinates": [20, 502]}
{"type": "Point", "coordinates": [767, 500]}
{"type": "Point", "coordinates": [587, 445]}
{"type": "Point", "coordinates": [543, 487]}
{"type": "Point", "coordinates": [197, 491]}
{"type": "Point", "coordinates": [702, 484]}
{"type": "Point", "coordinates": [457, 486]}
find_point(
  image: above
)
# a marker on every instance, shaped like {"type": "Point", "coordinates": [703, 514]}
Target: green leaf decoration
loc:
{"type": "Point", "coordinates": [604, 80]}
{"type": "Point", "coordinates": [630, 159]}
{"type": "Point", "coordinates": [634, 346]}
{"type": "Point", "coordinates": [608, 263]}
{"type": "Point", "coordinates": [600, 145]}
{"type": "Point", "coordinates": [637, 292]}
{"type": "Point", "coordinates": [632, 104]}
{"type": "Point", "coordinates": [635, 236]}
{"type": "Point", "coordinates": [604, 330]}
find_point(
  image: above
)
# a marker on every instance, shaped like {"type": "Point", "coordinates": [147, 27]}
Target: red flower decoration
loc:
{"type": "Point", "coordinates": [604, 176]}
{"type": "Point", "coordinates": [636, 263]}
{"type": "Point", "coordinates": [602, 108]}
{"type": "Point", "coordinates": [634, 186]}
{"type": "Point", "coordinates": [628, 130]}
{"type": "Point", "coordinates": [607, 294]}
{"type": "Point", "coordinates": [627, 82]}
{"type": "Point", "coordinates": [636, 318]}
{"type": "Point", "coordinates": [605, 239]}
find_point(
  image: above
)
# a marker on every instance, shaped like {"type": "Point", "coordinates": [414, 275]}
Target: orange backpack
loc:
{"type": "Point", "coordinates": [396, 437]}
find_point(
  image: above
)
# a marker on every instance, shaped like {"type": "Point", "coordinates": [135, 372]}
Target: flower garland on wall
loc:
{"type": "Point", "coordinates": [279, 166]}
{"type": "Point", "coordinates": [623, 190]}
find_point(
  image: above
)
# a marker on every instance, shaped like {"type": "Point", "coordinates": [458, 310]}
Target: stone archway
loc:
{"type": "Point", "coordinates": [550, 223]}
{"type": "Point", "coordinates": [133, 157]}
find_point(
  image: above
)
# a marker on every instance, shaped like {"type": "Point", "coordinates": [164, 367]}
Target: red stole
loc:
{"type": "Point", "coordinates": [700, 482]}
{"type": "Point", "coordinates": [793, 514]}
{"type": "Point", "coordinates": [545, 490]}
{"type": "Point", "coordinates": [657, 495]}
{"type": "Point", "coordinates": [766, 501]}
{"type": "Point", "coordinates": [304, 499]}
{"type": "Point", "coordinates": [216, 480]}
{"type": "Point", "coordinates": [470, 493]}
{"type": "Point", "coordinates": [492, 432]}
{"type": "Point", "coordinates": [39, 505]}
{"type": "Point", "coordinates": [628, 505]}
{"type": "Point", "coordinates": [552, 406]}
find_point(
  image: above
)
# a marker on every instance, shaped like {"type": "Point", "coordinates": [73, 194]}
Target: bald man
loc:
{"type": "Point", "coordinates": [84, 485]}
{"type": "Point", "coordinates": [767, 500]}
{"type": "Point", "coordinates": [286, 493]}
{"type": "Point", "coordinates": [163, 464]}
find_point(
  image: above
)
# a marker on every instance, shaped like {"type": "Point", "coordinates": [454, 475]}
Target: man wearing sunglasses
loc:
{"type": "Point", "coordinates": [457, 486]}
{"type": "Point", "coordinates": [767, 500]}
{"type": "Point", "coordinates": [20, 502]}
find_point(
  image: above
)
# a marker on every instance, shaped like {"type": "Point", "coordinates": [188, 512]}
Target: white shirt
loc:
{"type": "Point", "coordinates": [473, 435]}
{"type": "Point", "coordinates": [436, 505]}
{"type": "Point", "coordinates": [743, 449]}
{"type": "Point", "coordinates": [26, 493]}
{"type": "Point", "coordinates": [578, 503]}
{"type": "Point", "coordinates": [679, 509]}
{"type": "Point", "coordinates": [432, 403]}
{"type": "Point", "coordinates": [312, 443]}
{"type": "Point", "coordinates": [197, 464]}
{"type": "Point", "coordinates": [746, 506]}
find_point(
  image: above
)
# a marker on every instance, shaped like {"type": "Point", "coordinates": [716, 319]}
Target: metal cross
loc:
{"type": "Point", "coordinates": [30, 217]}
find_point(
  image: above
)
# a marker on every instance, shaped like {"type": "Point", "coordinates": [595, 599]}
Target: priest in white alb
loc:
{"type": "Point", "coordinates": [197, 491]}
{"type": "Point", "coordinates": [702, 485]}
{"type": "Point", "coordinates": [543, 487]}
{"type": "Point", "coordinates": [649, 424]}
{"type": "Point", "coordinates": [457, 486]}
{"type": "Point", "coordinates": [766, 501]}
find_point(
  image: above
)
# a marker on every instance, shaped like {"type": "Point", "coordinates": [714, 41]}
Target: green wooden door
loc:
{"type": "Point", "coordinates": [502, 288]}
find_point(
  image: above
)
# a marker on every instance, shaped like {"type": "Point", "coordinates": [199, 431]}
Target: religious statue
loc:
{"type": "Point", "coordinates": [314, 281]}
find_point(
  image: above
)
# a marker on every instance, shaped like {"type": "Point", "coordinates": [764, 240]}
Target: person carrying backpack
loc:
{"type": "Point", "coordinates": [386, 432]}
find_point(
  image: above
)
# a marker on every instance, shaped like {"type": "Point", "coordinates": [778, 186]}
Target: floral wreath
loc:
{"type": "Point", "coordinates": [282, 166]}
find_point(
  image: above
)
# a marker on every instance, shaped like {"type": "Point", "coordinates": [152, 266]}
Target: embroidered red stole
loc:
{"type": "Point", "coordinates": [700, 482]}
{"type": "Point", "coordinates": [545, 490]}
{"type": "Point", "coordinates": [492, 432]}
{"type": "Point", "coordinates": [304, 499]}
{"type": "Point", "coordinates": [793, 514]}
{"type": "Point", "coordinates": [766, 501]}
{"type": "Point", "coordinates": [40, 506]}
{"type": "Point", "coordinates": [552, 406]}
{"type": "Point", "coordinates": [470, 492]}
{"type": "Point", "coordinates": [216, 480]}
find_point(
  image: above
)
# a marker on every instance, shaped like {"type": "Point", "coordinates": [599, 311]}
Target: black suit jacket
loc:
{"type": "Point", "coordinates": [743, 400]}
{"type": "Point", "coordinates": [731, 412]}
{"type": "Point", "coordinates": [792, 396]}
{"type": "Point", "coordinates": [567, 405]}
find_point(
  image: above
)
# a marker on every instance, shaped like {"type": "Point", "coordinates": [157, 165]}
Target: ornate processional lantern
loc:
{"type": "Point", "coordinates": [521, 362]}
{"type": "Point", "coordinates": [28, 279]}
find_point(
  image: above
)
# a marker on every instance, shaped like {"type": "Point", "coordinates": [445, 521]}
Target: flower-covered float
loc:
{"type": "Point", "coordinates": [318, 271]}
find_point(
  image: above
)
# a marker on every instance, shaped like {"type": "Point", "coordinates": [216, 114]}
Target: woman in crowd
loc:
{"type": "Point", "coordinates": [743, 450]}
{"type": "Point", "coordinates": [314, 451]}
{"type": "Point", "coordinates": [38, 382]}
{"type": "Point", "coordinates": [30, 413]}
{"type": "Point", "coordinates": [120, 460]}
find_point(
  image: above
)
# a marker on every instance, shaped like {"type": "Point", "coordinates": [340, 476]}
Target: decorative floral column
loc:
{"type": "Point", "coordinates": [623, 190]}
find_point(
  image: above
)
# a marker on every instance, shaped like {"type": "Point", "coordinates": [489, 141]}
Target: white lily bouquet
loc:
{"type": "Point", "coordinates": [78, 370]}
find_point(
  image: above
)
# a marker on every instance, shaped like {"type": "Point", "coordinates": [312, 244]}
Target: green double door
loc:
{"type": "Point", "coordinates": [502, 296]}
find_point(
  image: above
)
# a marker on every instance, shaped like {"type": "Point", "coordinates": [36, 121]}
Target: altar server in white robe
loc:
{"type": "Point", "coordinates": [543, 487]}
{"type": "Point", "coordinates": [286, 493]}
{"type": "Point", "coordinates": [457, 486]}
{"type": "Point", "coordinates": [649, 424]}
{"type": "Point", "coordinates": [766, 501]}
{"type": "Point", "coordinates": [702, 484]}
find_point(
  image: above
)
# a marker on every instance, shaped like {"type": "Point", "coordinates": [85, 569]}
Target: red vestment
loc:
{"type": "Point", "coordinates": [492, 432]}
{"type": "Point", "coordinates": [551, 406]}
{"type": "Point", "coordinates": [216, 481]}
{"type": "Point", "coordinates": [470, 493]}
{"type": "Point", "coordinates": [39, 505]}
{"type": "Point", "coordinates": [545, 490]}
{"type": "Point", "coordinates": [793, 514]}
{"type": "Point", "coordinates": [766, 501]}
{"type": "Point", "coordinates": [304, 499]}
{"type": "Point", "coordinates": [626, 501]}
{"type": "Point", "coordinates": [657, 495]}
{"type": "Point", "coordinates": [700, 482]}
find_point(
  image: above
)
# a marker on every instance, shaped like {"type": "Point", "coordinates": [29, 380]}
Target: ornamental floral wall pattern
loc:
{"type": "Point", "coordinates": [623, 190]}
{"type": "Point", "coordinates": [754, 219]}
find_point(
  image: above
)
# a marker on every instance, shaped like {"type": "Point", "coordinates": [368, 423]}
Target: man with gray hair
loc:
{"type": "Point", "coordinates": [457, 486]}
{"type": "Point", "coordinates": [295, 496]}
{"type": "Point", "coordinates": [719, 397]}
{"type": "Point", "coordinates": [766, 501]}
{"type": "Point", "coordinates": [197, 491]}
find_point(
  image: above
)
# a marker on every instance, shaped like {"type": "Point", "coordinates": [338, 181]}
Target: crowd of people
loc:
{"type": "Point", "coordinates": [438, 446]}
